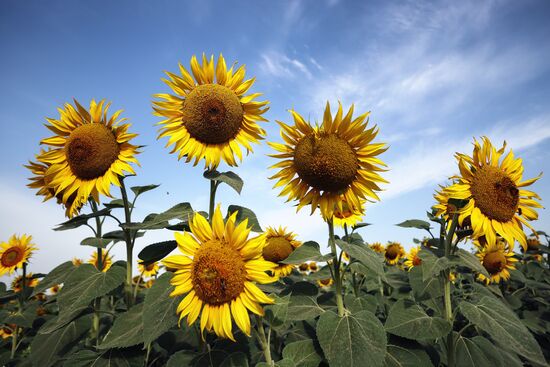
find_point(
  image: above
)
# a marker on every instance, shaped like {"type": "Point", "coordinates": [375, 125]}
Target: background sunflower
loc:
{"type": "Point", "coordinates": [14, 253]}
{"type": "Point", "coordinates": [497, 258]}
{"type": "Point", "coordinates": [279, 244]}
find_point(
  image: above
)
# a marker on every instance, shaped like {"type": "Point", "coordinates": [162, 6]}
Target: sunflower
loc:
{"type": "Point", "coordinates": [377, 247]}
{"type": "Point", "coordinates": [216, 270]}
{"type": "Point", "coordinates": [533, 244]}
{"type": "Point", "coordinates": [207, 119]}
{"type": "Point", "coordinates": [106, 263]}
{"type": "Point", "coordinates": [327, 164]}
{"type": "Point", "coordinates": [497, 258]}
{"type": "Point", "coordinates": [304, 268]}
{"type": "Point", "coordinates": [313, 267]}
{"type": "Point", "coordinates": [452, 276]}
{"type": "Point", "coordinates": [497, 204]}
{"type": "Point", "coordinates": [77, 262]}
{"type": "Point", "coordinates": [89, 153]}
{"type": "Point", "coordinates": [347, 216]}
{"type": "Point", "coordinates": [279, 244]}
{"type": "Point", "coordinates": [325, 283]}
{"type": "Point", "coordinates": [393, 253]}
{"type": "Point", "coordinates": [17, 283]}
{"type": "Point", "coordinates": [412, 258]}
{"type": "Point", "coordinates": [149, 270]}
{"type": "Point", "coordinates": [55, 289]}
{"type": "Point", "coordinates": [6, 331]}
{"type": "Point", "coordinates": [39, 181]}
{"type": "Point", "coordinates": [345, 256]}
{"type": "Point", "coordinates": [15, 252]}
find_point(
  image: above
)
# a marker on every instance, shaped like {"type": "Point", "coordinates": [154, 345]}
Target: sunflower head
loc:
{"type": "Point", "coordinates": [6, 331]}
{"type": "Point", "coordinates": [329, 164]}
{"type": "Point", "coordinates": [304, 267]}
{"type": "Point", "coordinates": [533, 244]}
{"type": "Point", "coordinates": [497, 259]}
{"type": "Point", "coordinates": [216, 269]}
{"type": "Point", "coordinates": [210, 116]}
{"type": "Point", "coordinates": [325, 283]}
{"type": "Point", "coordinates": [313, 266]}
{"type": "Point", "coordinates": [87, 154]}
{"type": "Point", "coordinates": [393, 253]}
{"type": "Point", "coordinates": [346, 216]}
{"type": "Point", "coordinates": [377, 247]}
{"type": "Point", "coordinates": [497, 203]}
{"type": "Point", "coordinates": [77, 262]}
{"type": "Point", "coordinates": [412, 258]}
{"type": "Point", "coordinates": [106, 263]}
{"type": "Point", "coordinates": [279, 244]}
{"type": "Point", "coordinates": [55, 289]}
{"type": "Point", "coordinates": [15, 252]}
{"type": "Point", "coordinates": [17, 283]}
{"type": "Point", "coordinates": [149, 270]}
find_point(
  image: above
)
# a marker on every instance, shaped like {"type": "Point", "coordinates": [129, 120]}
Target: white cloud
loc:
{"type": "Point", "coordinates": [281, 66]}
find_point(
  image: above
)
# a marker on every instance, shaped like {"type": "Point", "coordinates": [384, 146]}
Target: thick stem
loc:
{"type": "Point", "coordinates": [129, 244]}
{"type": "Point", "coordinates": [264, 342]}
{"type": "Point", "coordinates": [137, 286]}
{"type": "Point", "coordinates": [14, 342]}
{"type": "Point", "coordinates": [97, 301]}
{"type": "Point", "coordinates": [213, 187]}
{"type": "Point", "coordinates": [336, 264]}
{"type": "Point", "coordinates": [447, 293]}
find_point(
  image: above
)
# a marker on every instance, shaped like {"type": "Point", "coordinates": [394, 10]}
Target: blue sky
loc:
{"type": "Point", "coordinates": [434, 75]}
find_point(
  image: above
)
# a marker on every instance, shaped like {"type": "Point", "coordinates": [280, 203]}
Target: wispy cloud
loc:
{"type": "Point", "coordinates": [280, 65]}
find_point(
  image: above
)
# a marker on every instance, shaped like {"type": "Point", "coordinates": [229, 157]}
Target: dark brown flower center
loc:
{"type": "Point", "coordinates": [495, 194]}
{"type": "Point", "coordinates": [218, 273]}
{"type": "Point", "coordinates": [325, 282]}
{"type": "Point", "coordinates": [416, 261]}
{"type": "Point", "coordinates": [212, 114]}
{"type": "Point", "coordinates": [150, 267]}
{"type": "Point", "coordinates": [303, 267]}
{"type": "Point", "coordinates": [494, 262]}
{"type": "Point", "coordinates": [90, 150]}
{"type": "Point", "coordinates": [326, 162]}
{"type": "Point", "coordinates": [392, 252]}
{"type": "Point", "coordinates": [12, 256]}
{"type": "Point", "coordinates": [533, 244]}
{"type": "Point", "coordinates": [277, 249]}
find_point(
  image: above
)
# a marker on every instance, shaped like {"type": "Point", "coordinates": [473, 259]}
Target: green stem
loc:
{"type": "Point", "coordinates": [213, 188]}
{"type": "Point", "coordinates": [14, 342]}
{"type": "Point", "coordinates": [336, 264]}
{"type": "Point", "coordinates": [137, 286]}
{"type": "Point", "coordinates": [97, 301]}
{"type": "Point", "coordinates": [264, 342]}
{"type": "Point", "coordinates": [129, 244]}
{"type": "Point", "coordinates": [447, 293]}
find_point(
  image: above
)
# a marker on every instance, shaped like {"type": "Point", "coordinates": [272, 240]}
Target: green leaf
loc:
{"type": "Point", "coordinates": [157, 251]}
{"type": "Point", "coordinates": [276, 313]}
{"type": "Point", "coordinates": [230, 178]}
{"type": "Point", "coordinates": [397, 356]}
{"type": "Point", "coordinates": [120, 236]}
{"type": "Point", "coordinates": [497, 320]}
{"type": "Point", "coordinates": [415, 223]}
{"type": "Point", "coordinates": [159, 310]}
{"type": "Point", "coordinates": [85, 284]}
{"type": "Point", "coordinates": [359, 225]}
{"type": "Point", "coordinates": [181, 358]}
{"type": "Point", "coordinates": [126, 331]}
{"type": "Point", "coordinates": [57, 276]}
{"type": "Point", "coordinates": [96, 242]}
{"type": "Point", "coordinates": [303, 308]}
{"type": "Point", "coordinates": [81, 220]}
{"type": "Point", "coordinates": [47, 349]}
{"type": "Point", "coordinates": [303, 353]}
{"type": "Point", "coordinates": [245, 213]}
{"type": "Point", "coordinates": [116, 204]}
{"type": "Point", "coordinates": [63, 319]}
{"type": "Point", "coordinates": [432, 266]}
{"type": "Point", "coordinates": [422, 290]}
{"type": "Point", "coordinates": [129, 357]}
{"type": "Point", "coordinates": [238, 359]}
{"type": "Point", "coordinates": [408, 320]}
{"type": "Point", "coordinates": [471, 261]}
{"type": "Point", "coordinates": [180, 211]}
{"type": "Point", "coordinates": [365, 256]}
{"type": "Point", "coordinates": [352, 340]}
{"type": "Point", "coordinates": [492, 354]}
{"type": "Point", "coordinates": [23, 319]}
{"type": "Point", "coordinates": [469, 354]}
{"type": "Point", "coordinates": [138, 190]}
{"type": "Point", "coordinates": [366, 302]}
{"type": "Point", "coordinates": [308, 251]}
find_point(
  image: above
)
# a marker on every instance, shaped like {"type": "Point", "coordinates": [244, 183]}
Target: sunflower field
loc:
{"type": "Point", "coordinates": [227, 289]}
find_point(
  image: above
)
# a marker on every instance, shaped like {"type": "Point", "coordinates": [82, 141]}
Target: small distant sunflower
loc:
{"type": "Point", "coordinates": [77, 262]}
{"type": "Point", "coordinates": [452, 276]}
{"type": "Point", "coordinates": [325, 283]}
{"type": "Point", "coordinates": [6, 331]}
{"type": "Point", "coordinates": [497, 259]}
{"type": "Point", "coordinates": [412, 258]}
{"type": "Point", "coordinates": [15, 252]}
{"type": "Point", "coordinates": [325, 165]}
{"type": "Point", "coordinates": [377, 247]}
{"type": "Point", "coordinates": [106, 263]}
{"type": "Point", "coordinates": [279, 244]}
{"type": "Point", "coordinates": [149, 283]}
{"type": "Point", "coordinates": [17, 283]}
{"type": "Point", "coordinates": [533, 244]}
{"type": "Point", "coordinates": [41, 311]}
{"type": "Point", "coordinates": [313, 266]}
{"type": "Point", "coordinates": [345, 256]}
{"type": "Point", "coordinates": [497, 204]}
{"type": "Point", "coordinates": [216, 270]}
{"type": "Point", "coordinates": [89, 153]}
{"type": "Point", "coordinates": [210, 119]}
{"type": "Point", "coordinates": [347, 216]}
{"type": "Point", "coordinates": [304, 268]}
{"type": "Point", "coordinates": [148, 270]}
{"type": "Point", "coordinates": [393, 253]}
{"type": "Point", "coordinates": [55, 289]}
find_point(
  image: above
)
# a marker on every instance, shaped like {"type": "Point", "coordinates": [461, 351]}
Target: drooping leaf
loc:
{"type": "Point", "coordinates": [366, 256]}
{"type": "Point", "coordinates": [138, 190]}
{"type": "Point", "coordinates": [415, 223]}
{"type": "Point", "coordinates": [308, 251]}
{"type": "Point", "coordinates": [504, 327]}
{"type": "Point", "coordinates": [58, 275]}
{"type": "Point", "coordinates": [352, 340]}
{"type": "Point", "coordinates": [360, 225]}
{"type": "Point", "coordinates": [182, 211]}
{"type": "Point", "coordinates": [408, 320]}
{"type": "Point", "coordinates": [159, 310]}
{"type": "Point", "coordinates": [303, 353]}
{"type": "Point", "coordinates": [120, 236]}
{"type": "Point", "coordinates": [471, 261]}
{"type": "Point", "coordinates": [81, 220]}
{"type": "Point", "coordinates": [432, 266]}
{"type": "Point", "coordinates": [397, 356]}
{"type": "Point", "coordinates": [303, 301]}
{"type": "Point", "coordinates": [127, 330]}
{"type": "Point", "coordinates": [230, 178]}
{"type": "Point", "coordinates": [492, 354]}
{"type": "Point", "coordinates": [276, 313]}
{"type": "Point", "coordinates": [116, 204]}
{"type": "Point", "coordinates": [128, 357]}
{"type": "Point", "coordinates": [96, 242]}
{"type": "Point", "coordinates": [423, 290]}
{"type": "Point", "coordinates": [469, 354]}
{"type": "Point", "coordinates": [157, 251]}
{"type": "Point", "coordinates": [245, 213]}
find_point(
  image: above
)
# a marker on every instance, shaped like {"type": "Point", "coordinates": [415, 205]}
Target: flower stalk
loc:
{"type": "Point", "coordinates": [129, 244]}
{"type": "Point", "coordinates": [264, 342]}
{"type": "Point", "coordinates": [336, 265]}
{"type": "Point", "coordinates": [97, 301]}
{"type": "Point", "coordinates": [447, 293]}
